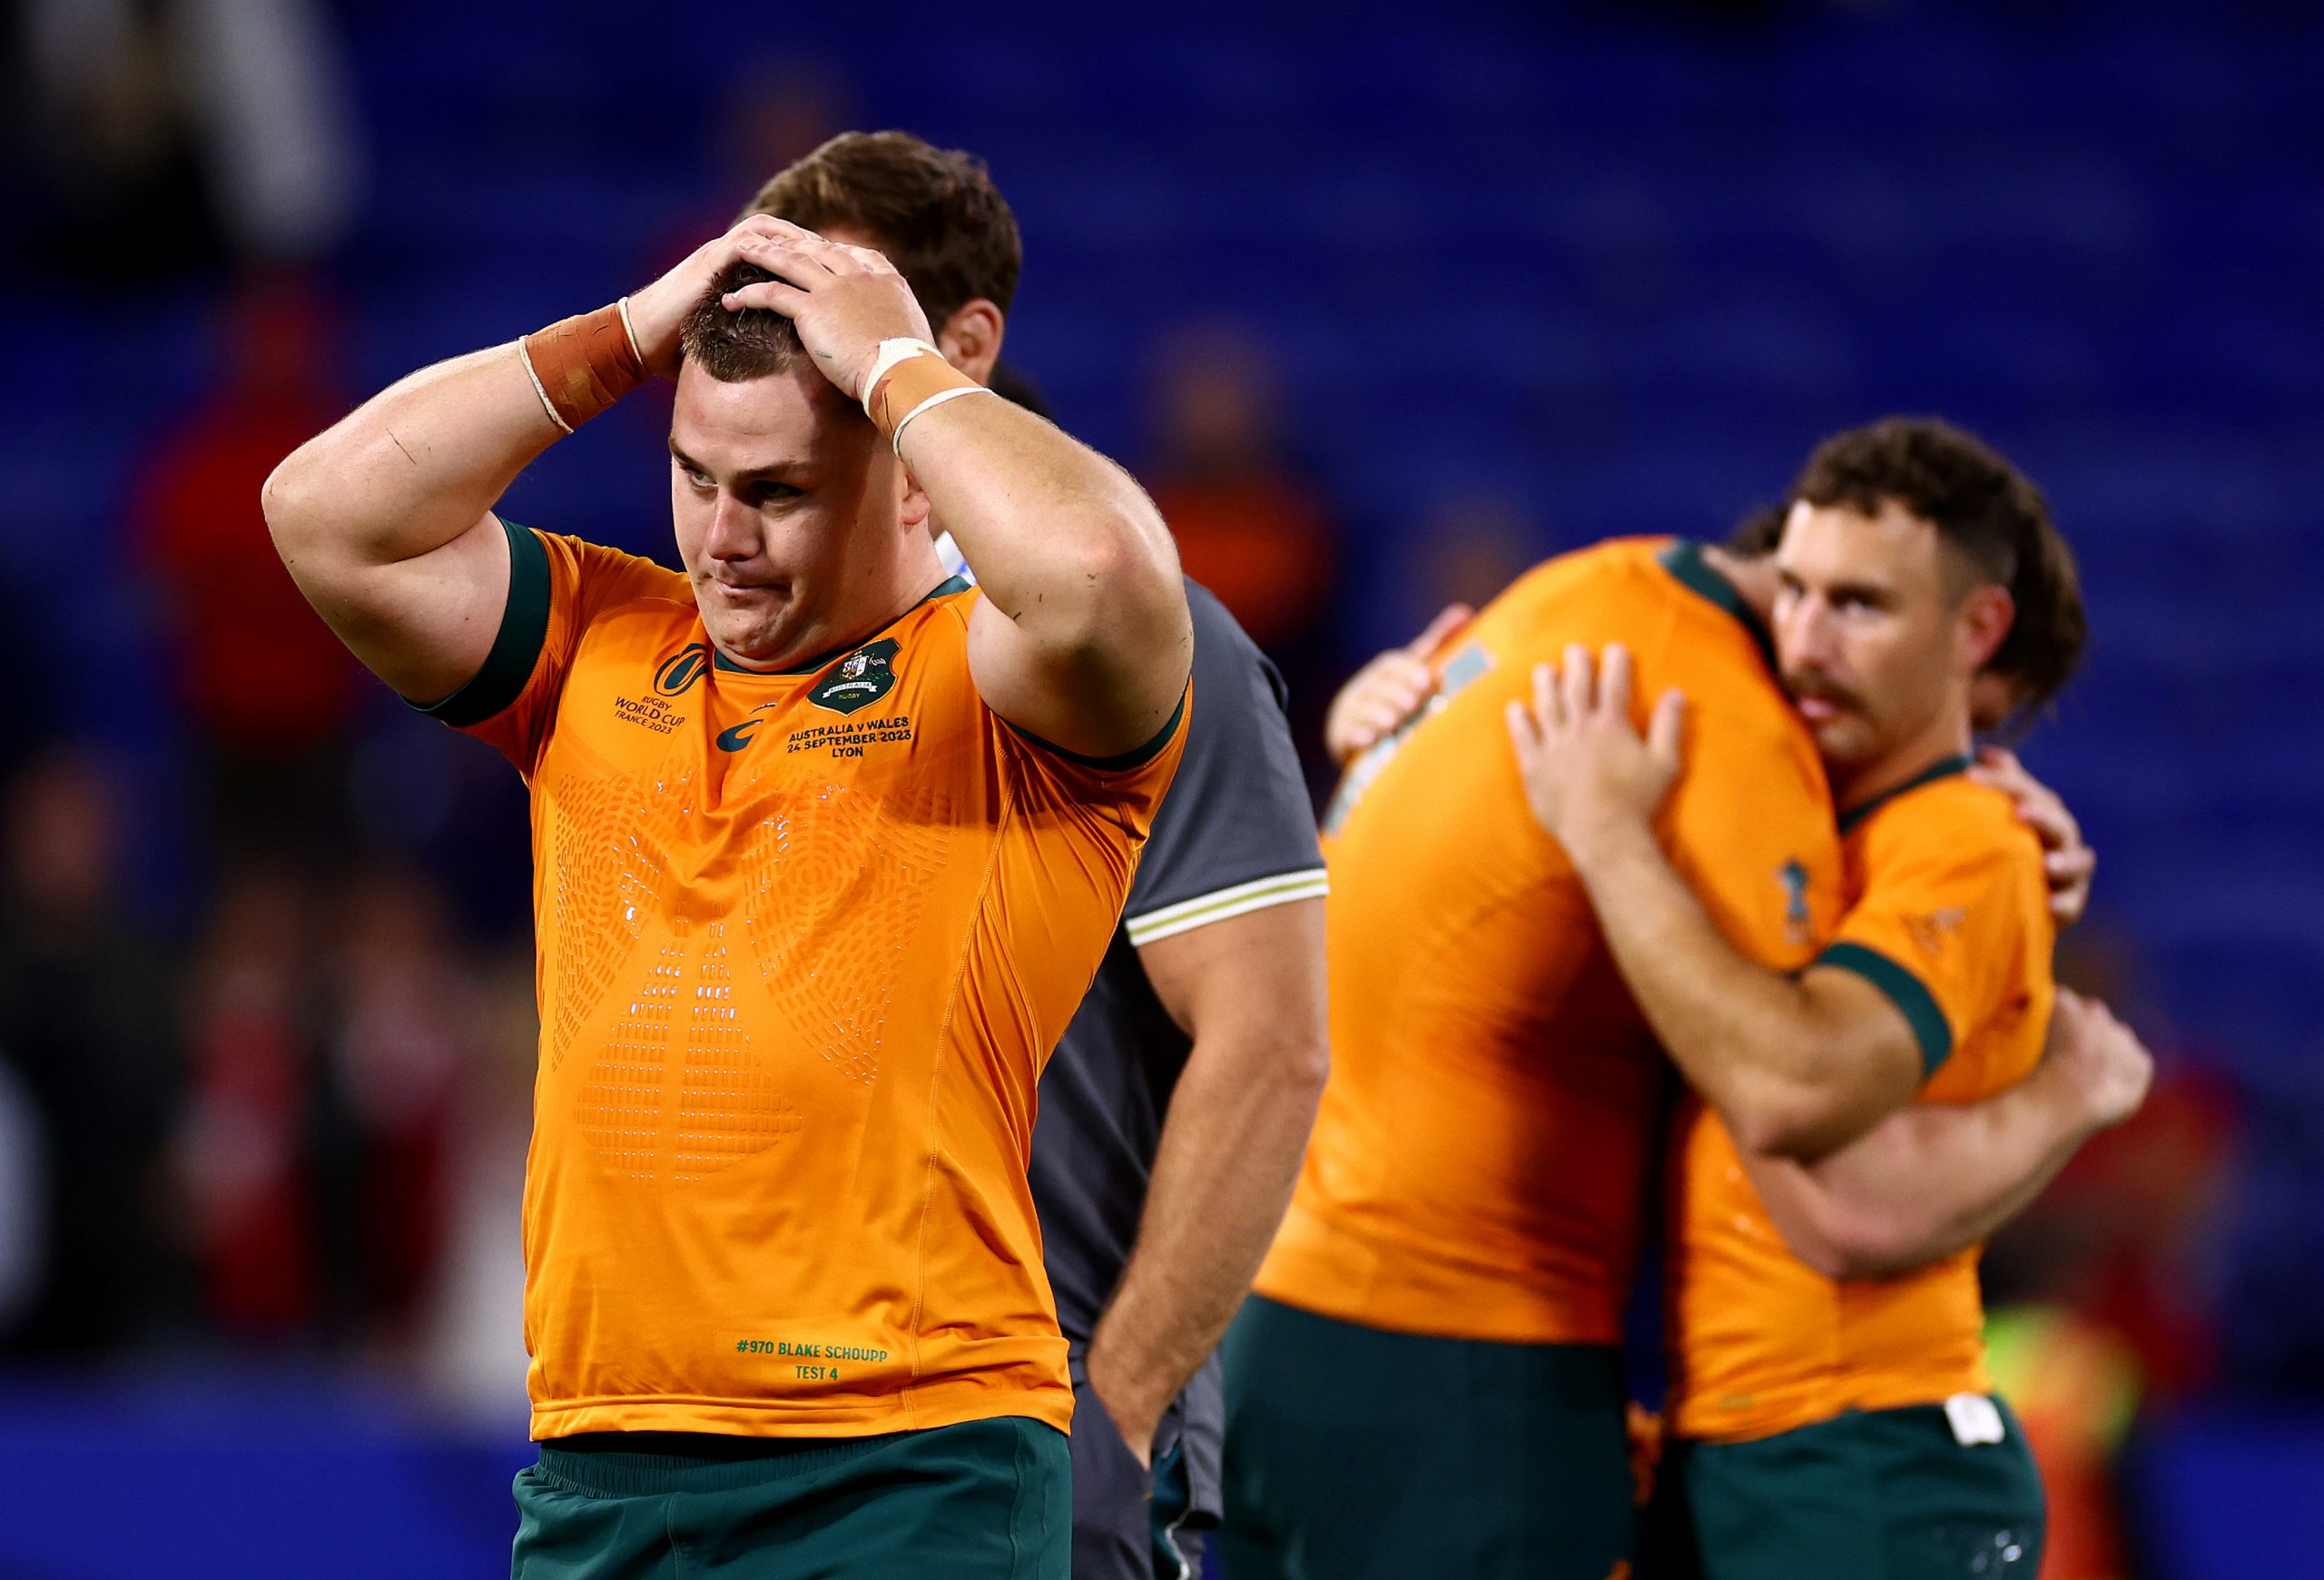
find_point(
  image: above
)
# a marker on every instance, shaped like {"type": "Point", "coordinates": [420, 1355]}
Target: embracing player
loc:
{"type": "Point", "coordinates": [1830, 1403]}
{"type": "Point", "coordinates": [1468, 1220]}
{"type": "Point", "coordinates": [827, 847]}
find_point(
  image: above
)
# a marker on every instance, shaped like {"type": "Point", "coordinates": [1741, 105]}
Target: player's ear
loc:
{"type": "Point", "coordinates": [911, 499]}
{"type": "Point", "coordinates": [970, 339]}
{"type": "Point", "coordinates": [1986, 615]}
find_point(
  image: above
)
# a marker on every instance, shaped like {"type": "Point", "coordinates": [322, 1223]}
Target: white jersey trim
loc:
{"type": "Point", "coordinates": [1219, 904]}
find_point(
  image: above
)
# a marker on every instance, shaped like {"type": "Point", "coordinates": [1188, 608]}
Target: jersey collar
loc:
{"type": "Point", "coordinates": [950, 584]}
{"type": "Point", "coordinates": [1852, 818]}
{"type": "Point", "coordinates": [1684, 559]}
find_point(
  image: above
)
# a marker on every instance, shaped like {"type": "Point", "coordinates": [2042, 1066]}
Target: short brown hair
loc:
{"type": "Point", "coordinates": [735, 347]}
{"type": "Point", "coordinates": [1988, 512]}
{"type": "Point", "coordinates": [934, 211]}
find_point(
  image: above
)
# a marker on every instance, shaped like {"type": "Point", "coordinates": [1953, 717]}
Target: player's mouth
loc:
{"type": "Point", "coordinates": [742, 592]}
{"type": "Point", "coordinates": [1818, 701]}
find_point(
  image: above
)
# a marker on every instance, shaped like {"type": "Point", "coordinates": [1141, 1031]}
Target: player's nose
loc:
{"type": "Point", "coordinates": [733, 531]}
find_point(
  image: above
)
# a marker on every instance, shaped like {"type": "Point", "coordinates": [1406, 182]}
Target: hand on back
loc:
{"type": "Point", "coordinates": [2067, 862]}
{"type": "Point", "coordinates": [1383, 696]}
{"type": "Point", "coordinates": [1587, 769]}
{"type": "Point", "coordinates": [2103, 1059]}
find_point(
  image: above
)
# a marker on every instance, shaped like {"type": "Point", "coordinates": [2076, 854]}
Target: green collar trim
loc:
{"type": "Point", "coordinates": [1685, 561]}
{"type": "Point", "coordinates": [1855, 815]}
{"type": "Point", "coordinates": [726, 666]}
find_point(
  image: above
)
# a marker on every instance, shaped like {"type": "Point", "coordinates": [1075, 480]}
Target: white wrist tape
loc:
{"type": "Point", "coordinates": [934, 400]}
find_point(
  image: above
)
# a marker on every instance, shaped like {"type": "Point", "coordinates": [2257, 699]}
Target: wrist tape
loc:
{"type": "Point", "coordinates": [580, 366]}
{"type": "Point", "coordinates": [908, 378]}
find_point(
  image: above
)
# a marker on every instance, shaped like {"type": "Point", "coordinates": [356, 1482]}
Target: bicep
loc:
{"type": "Point", "coordinates": [1876, 1059]}
{"type": "Point", "coordinates": [423, 624]}
{"type": "Point", "coordinates": [1110, 697]}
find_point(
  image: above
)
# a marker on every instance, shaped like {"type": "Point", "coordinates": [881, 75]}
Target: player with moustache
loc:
{"type": "Point", "coordinates": [1830, 1408]}
{"type": "Point", "coordinates": [1176, 1106]}
{"type": "Point", "coordinates": [1468, 1219]}
{"type": "Point", "coordinates": [827, 848]}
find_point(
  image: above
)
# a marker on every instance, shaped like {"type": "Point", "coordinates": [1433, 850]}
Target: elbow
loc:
{"type": "Point", "coordinates": [1283, 1077]}
{"type": "Point", "coordinates": [1305, 1067]}
{"type": "Point", "coordinates": [1849, 1245]}
{"type": "Point", "coordinates": [1798, 1126]}
{"type": "Point", "coordinates": [1804, 1118]}
{"type": "Point", "coordinates": [1866, 1251]}
{"type": "Point", "coordinates": [288, 502]}
{"type": "Point", "coordinates": [1121, 584]}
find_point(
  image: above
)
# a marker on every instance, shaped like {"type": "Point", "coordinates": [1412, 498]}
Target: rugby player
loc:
{"type": "Point", "coordinates": [1427, 1378]}
{"type": "Point", "coordinates": [827, 847]}
{"type": "Point", "coordinates": [1830, 1401]}
{"type": "Point", "coordinates": [1174, 1110]}
{"type": "Point", "coordinates": [1466, 1226]}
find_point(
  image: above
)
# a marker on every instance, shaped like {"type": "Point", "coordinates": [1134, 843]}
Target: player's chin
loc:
{"type": "Point", "coordinates": [1842, 740]}
{"type": "Point", "coordinates": [759, 627]}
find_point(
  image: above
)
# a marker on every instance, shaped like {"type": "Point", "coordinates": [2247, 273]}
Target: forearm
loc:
{"type": "Point", "coordinates": [411, 469]}
{"type": "Point", "coordinates": [1925, 1182]}
{"type": "Point", "coordinates": [1064, 542]}
{"type": "Point", "coordinates": [1745, 1037]}
{"type": "Point", "coordinates": [1230, 1152]}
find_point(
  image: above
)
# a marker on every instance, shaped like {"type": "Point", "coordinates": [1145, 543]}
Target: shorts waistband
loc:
{"type": "Point", "coordinates": [643, 1464]}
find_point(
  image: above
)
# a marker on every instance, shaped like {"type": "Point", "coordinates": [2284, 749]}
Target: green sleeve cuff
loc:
{"type": "Point", "coordinates": [524, 628]}
{"type": "Point", "coordinates": [1136, 757]}
{"type": "Point", "coordinates": [1906, 992]}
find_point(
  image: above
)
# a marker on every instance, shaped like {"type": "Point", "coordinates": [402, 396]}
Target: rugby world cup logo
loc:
{"type": "Point", "coordinates": [678, 673]}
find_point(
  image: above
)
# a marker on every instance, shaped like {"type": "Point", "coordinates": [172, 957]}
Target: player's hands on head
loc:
{"type": "Point", "coordinates": [1381, 697]}
{"type": "Point", "coordinates": [1588, 771]}
{"type": "Point", "coordinates": [659, 312]}
{"type": "Point", "coordinates": [845, 300]}
{"type": "Point", "coordinates": [2109, 1067]}
{"type": "Point", "coordinates": [2068, 861]}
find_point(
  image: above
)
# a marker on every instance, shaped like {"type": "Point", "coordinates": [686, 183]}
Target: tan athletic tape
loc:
{"type": "Point", "coordinates": [582, 365]}
{"type": "Point", "coordinates": [908, 386]}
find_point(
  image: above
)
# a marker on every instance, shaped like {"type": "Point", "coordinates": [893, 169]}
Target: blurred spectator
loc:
{"type": "Point", "coordinates": [24, 1201]}
{"type": "Point", "coordinates": [244, 1152]}
{"type": "Point", "coordinates": [1469, 549]}
{"type": "Point", "coordinates": [400, 1043]}
{"type": "Point", "coordinates": [778, 109]}
{"type": "Point", "coordinates": [117, 151]}
{"type": "Point", "coordinates": [173, 131]}
{"type": "Point", "coordinates": [267, 687]}
{"type": "Point", "coordinates": [1252, 525]}
{"type": "Point", "coordinates": [473, 1347]}
{"type": "Point", "coordinates": [85, 1034]}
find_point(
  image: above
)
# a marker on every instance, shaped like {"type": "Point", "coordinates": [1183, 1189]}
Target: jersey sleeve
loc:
{"type": "Point", "coordinates": [1946, 915]}
{"type": "Point", "coordinates": [556, 585]}
{"type": "Point", "coordinates": [1124, 791]}
{"type": "Point", "coordinates": [1236, 833]}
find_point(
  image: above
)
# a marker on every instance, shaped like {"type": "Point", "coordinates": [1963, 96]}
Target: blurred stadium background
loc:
{"type": "Point", "coordinates": [1383, 303]}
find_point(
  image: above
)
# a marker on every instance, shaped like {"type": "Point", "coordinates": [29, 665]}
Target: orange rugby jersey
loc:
{"type": "Point", "coordinates": [805, 941]}
{"type": "Point", "coordinates": [1479, 1162]}
{"type": "Point", "coordinates": [1951, 918]}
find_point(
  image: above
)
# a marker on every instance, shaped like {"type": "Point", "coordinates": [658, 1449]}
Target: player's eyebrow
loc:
{"type": "Point", "coordinates": [779, 471]}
